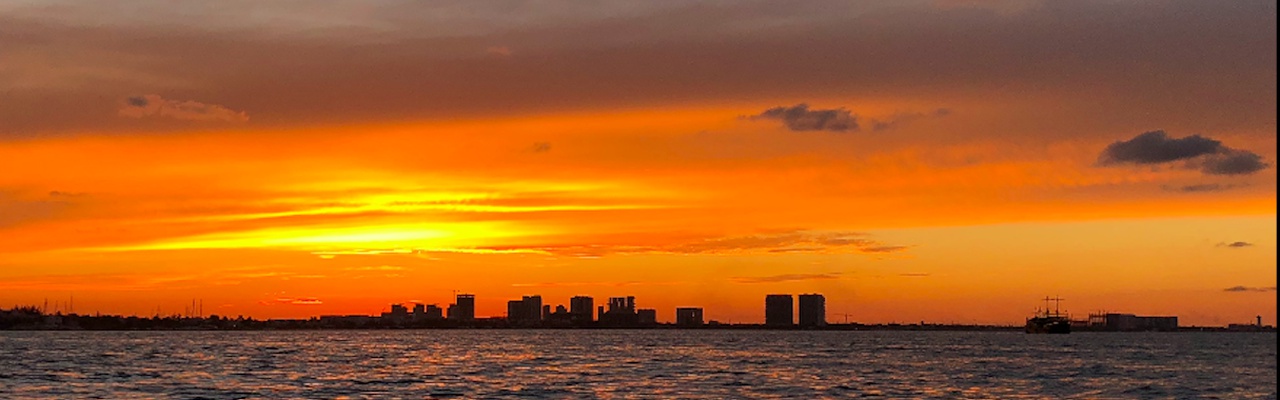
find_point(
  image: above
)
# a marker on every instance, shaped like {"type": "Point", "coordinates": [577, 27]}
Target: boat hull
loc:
{"type": "Point", "coordinates": [1048, 325]}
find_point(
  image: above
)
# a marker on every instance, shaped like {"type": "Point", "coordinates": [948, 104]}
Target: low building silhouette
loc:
{"type": "Point", "coordinates": [434, 312]}
{"type": "Point", "coordinates": [1117, 322]}
{"type": "Point", "coordinates": [646, 316]}
{"type": "Point", "coordinates": [689, 316]}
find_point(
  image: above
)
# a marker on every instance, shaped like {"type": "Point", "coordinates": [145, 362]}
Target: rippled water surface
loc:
{"type": "Point", "coordinates": [635, 364]}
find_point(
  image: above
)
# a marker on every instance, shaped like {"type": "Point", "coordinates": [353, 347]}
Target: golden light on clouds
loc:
{"type": "Point", "coordinates": [312, 167]}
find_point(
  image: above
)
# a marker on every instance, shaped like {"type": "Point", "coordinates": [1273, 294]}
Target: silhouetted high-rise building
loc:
{"type": "Point", "coordinates": [621, 312]}
{"type": "Point", "coordinates": [515, 311]}
{"type": "Point", "coordinates": [779, 310]}
{"type": "Point", "coordinates": [580, 307]}
{"type": "Point", "coordinates": [464, 308]}
{"type": "Point", "coordinates": [813, 310]}
{"type": "Point", "coordinates": [533, 308]}
{"type": "Point", "coordinates": [623, 304]}
{"type": "Point", "coordinates": [546, 312]}
{"type": "Point", "coordinates": [527, 311]}
{"type": "Point", "coordinates": [689, 316]}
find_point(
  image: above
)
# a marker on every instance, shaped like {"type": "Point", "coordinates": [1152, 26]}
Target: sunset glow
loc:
{"type": "Point", "coordinates": [336, 159]}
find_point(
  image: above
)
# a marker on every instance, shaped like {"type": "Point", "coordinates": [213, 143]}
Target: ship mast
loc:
{"type": "Point", "coordinates": [1057, 305]}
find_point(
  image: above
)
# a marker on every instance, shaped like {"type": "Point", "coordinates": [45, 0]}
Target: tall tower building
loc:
{"type": "Point", "coordinates": [580, 308]}
{"type": "Point", "coordinates": [779, 310]}
{"type": "Point", "coordinates": [464, 308]}
{"type": "Point", "coordinates": [533, 308]}
{"type": "Point", "coordinates": [813, 310]}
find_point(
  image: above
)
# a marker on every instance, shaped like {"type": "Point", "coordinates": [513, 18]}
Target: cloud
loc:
{"type": "Point", "coordinates": [915, 274]}
{"type": "Point", "coordinates": [503, 51]}
{"type": "Point", "coordinates": [1236, 244]}
{"type": "Point", "coordinates": [606, 284]}
{"type": "Point", "coordinates": [294, 301]}
{"type": "Point", "coordinates": [795, 241]}
{"type": "Point", "coordinates": [57, 193]}
{"type": "Point", "coordinates": [1233, 162]}
{"type": "Point", "coordinates": [1206, 154]}
{"type": "Point", "coordinates": [1200, 187]}
{"type": "Point", "coordinates": [884, 249]}
{"type": "Point", "coordinates": [901, 119]}
{"type": "Point", "coordinates": [801, 118]}
{"type": "Point", "coordinates": [1157, 147]}
{"type": "Point", "coordinates": [786, 278]}
{"type": "Point", "coordinates": [618, 57]}
{"type": "Point", "coordinates": [376, 268]}
{"type": "Point", "coordinates": [541, 147]}
{"type": "Point", "coordinates": [152, 105]}
{"type": "Point", "coordinates": [1239, 289]}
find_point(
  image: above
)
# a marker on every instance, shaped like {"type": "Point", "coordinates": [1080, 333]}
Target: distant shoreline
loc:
{"type": "Point", "coordinates": [743, 327]}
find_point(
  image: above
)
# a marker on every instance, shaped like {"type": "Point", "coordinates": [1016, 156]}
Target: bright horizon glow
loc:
{"type": "Point", "coordinates": [355, 160]}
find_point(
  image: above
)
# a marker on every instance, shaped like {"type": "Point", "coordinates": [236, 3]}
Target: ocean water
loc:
{"type": "Point", "coordinates": [711, 364]}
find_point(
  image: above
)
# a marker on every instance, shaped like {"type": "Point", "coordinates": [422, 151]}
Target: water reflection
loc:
{"type": "Point", "coordinates": [635, 364]}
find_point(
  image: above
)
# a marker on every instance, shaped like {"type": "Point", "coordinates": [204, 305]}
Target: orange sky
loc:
{"type": "Point", "coordinates": [515, 157]}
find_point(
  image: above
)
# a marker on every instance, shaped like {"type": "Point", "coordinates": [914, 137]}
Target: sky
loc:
{"type": "Point", "coordinates": [937, 160]}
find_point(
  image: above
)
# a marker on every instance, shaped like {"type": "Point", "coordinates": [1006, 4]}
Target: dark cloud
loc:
{"type": "Point", "coordinates": [1239, 289]}
{"type": "Point", "coordinates": [801, 118]}
{"type": "Point", "coordinates": [786, 278]}
{"type": "Point", "coordinates": [1235, 244]}
{"type": "Point", "coordinates": [541, 147]}
{"type": "Point", "coordinates": [155, 106]}
{"type": "Point", "coordinates": [1208, 155]}
{"type": "Point", "coordinates": [1157, 147]}
{"type": "Point", "coordinates": [1233, 162]}
{"type": "Point", "coordinates": [137, 101]}
{"type": "Point", "coordinates": [378, 61]}
{"type": "Point", "coordinates": [884, 249]}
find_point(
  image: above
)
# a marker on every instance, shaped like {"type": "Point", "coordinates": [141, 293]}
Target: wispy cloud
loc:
{"type": "Point", "coordinates": [797, 241]}
{"type": "Point", "coordinates": [1240, 289]}
{"type": "Point", "coordinates": [293, 301]}
{"type": "Point", "coordinates": [376, 268]}
{"type": "Point", "coordinates": [1201, 187]}
{"type": "Point", "coordinates": [784, 278]}
{"type": "Point", "coordinates": [603, 284]}
{"type": "Point", "coordinates": [503, 51]}
{"type": "Point", "coordinates": [1235, 244]}
{"type": "Point", "coordinates": [904, 118]}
